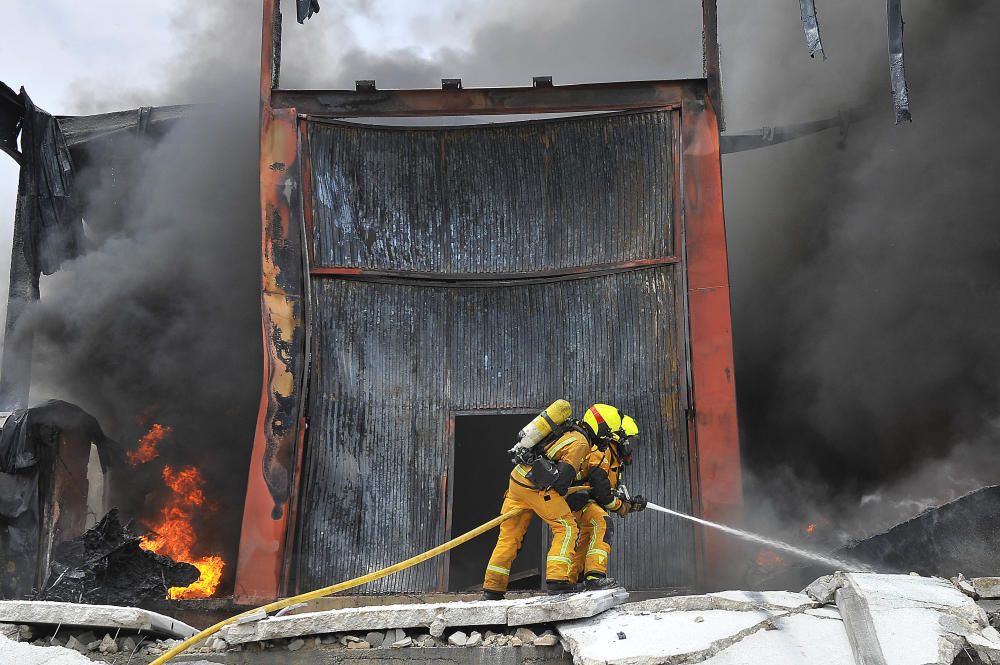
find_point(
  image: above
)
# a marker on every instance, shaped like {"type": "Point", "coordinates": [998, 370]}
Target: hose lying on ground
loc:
{"type": "Point", "coordinates": [349, 584]}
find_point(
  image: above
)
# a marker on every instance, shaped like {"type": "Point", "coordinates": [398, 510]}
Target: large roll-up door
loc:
{"type": "Point", "coordinates": [486, 268]}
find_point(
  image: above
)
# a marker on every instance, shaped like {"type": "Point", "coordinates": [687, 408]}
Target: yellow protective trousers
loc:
{"type": "Point", "coordinates": [553, 510]}
{"type": "Point", "coordinates": [592, 550]}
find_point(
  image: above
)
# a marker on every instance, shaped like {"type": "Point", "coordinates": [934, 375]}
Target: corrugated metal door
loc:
{"type": "Point", "coordinates": [486, 267]}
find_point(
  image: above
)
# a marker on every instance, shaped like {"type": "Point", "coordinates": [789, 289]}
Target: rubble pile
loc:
{"type": "Point", "coordinates": [106, 565]}
{"type": "Point", "coordinates": [840, 619]}
{"type": "Point", "coordinates": [394, 638]}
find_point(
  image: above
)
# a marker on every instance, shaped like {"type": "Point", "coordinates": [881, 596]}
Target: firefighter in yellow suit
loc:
{"type": "Point", "coordinates": [602, 470]}
{"type": "Point", "coordinates": [543, 496]}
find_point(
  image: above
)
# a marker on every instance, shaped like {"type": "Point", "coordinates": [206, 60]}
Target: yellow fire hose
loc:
{"type": "Point", "coordinates": [343, 586]}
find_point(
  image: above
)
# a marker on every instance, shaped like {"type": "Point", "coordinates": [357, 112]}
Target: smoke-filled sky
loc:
{"type": "Point", "coordinates": [864, 279]}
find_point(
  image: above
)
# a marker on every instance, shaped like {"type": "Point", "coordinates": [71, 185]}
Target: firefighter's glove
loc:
{"type": "Point", "coordinates": [600, 486]}
{"type": "Point", "coordinates": [567, 474]}
{"type": "Point", "coordinates": [577, 500]}
{"type": "Point", "coordinates": [630, 506]}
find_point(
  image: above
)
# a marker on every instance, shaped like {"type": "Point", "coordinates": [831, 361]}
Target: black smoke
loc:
{"type": "Point", "coordinates": [866, 287]}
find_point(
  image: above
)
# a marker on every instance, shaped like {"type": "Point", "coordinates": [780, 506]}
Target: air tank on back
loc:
{"type": "Point", "coordinates": [543, 424]}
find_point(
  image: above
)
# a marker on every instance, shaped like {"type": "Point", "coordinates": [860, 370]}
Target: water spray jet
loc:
{"type": "Point", "coordinates": [833, 562]}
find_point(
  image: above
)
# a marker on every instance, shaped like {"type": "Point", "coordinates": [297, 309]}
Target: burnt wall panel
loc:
{"type": "Point", "coordinates": [393, 361]}
{"type": "Point", "coordinates": [495, 199]}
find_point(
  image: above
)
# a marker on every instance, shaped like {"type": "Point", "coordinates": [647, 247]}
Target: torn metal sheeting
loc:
{"type": "Point", "coordinates": [810, 25]}
{"type": "Point", "coordinates": [897, 70]}
{"type": "Point", "coordinates": [304, 9]}
{"type": "Point", "coordinates": [11, 116]}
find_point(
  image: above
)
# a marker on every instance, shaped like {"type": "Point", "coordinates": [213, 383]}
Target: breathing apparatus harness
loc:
{"type": "Point", "coordinates": [545, 473]}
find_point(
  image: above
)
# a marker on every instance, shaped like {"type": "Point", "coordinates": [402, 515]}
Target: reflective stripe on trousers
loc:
{"type": "Point", "coordinates": [592, 550]}
{"type": "Point", "coordinates": [553, 510]}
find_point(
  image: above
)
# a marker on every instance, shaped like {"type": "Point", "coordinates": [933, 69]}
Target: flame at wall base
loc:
{"type": "Point", "coordinates": [174, 534]}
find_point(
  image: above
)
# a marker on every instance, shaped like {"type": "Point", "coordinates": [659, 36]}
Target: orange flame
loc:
{"type": "Point", "coordinates": [174, 535]}
{"type": "Point", "coordinates": [768, 559]}
{"type": "Point", "coordinates": [810, 528]}
{"type": "Point", "coordinates": [148, 445]}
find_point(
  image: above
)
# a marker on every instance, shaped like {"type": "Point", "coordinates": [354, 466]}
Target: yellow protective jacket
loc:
{"type": "Point", "coordinates": [571, 448]}
{"type": "Point", "coordinates": [603, 471]}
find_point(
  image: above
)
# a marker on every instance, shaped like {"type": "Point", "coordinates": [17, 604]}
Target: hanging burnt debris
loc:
{"type": "Point", "coordinates": [107, 566]}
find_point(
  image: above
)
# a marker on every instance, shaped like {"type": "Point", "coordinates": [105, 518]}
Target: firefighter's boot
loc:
{"type": "Point", "coordinates": [599, 581]}
{"type": "Point", "coordinates": [554, 587]}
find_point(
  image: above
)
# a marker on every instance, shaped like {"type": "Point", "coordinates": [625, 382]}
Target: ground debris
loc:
{"type": "Point", "coordinates": [106, 566]}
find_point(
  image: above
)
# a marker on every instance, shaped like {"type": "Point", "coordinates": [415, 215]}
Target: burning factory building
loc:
{"type": "Point", "coordinates": [434, 266]}
{"type": "Point", "coordinates": [414, 279]}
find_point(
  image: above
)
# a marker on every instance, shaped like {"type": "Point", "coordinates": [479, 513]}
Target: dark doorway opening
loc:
{"type": "Point", "coordinates": [480, 475]}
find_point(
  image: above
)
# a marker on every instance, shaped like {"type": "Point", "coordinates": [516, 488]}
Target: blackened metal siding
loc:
{"type": "Point", "coordinates": [394, 361]}
{"type": "Point", "coordinates": [571, 193]}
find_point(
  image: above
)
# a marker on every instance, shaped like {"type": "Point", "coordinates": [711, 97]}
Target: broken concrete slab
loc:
{"type": "Point", "coordinates": [908, 619]}
{"type": "Point", "coordinates": [633, 636]}
{"type": "Point", "coordinates": [102, 617]}
{"type": "Point", "coordinates": [987, 588]}
{"type": "Point", "coordinates": [737, 601]}
{"type": "Point", "coordinates": [550, 609]}
{"type": "Point", "coordinates": [769, 599]}
{"type": "Point", "coordinates": [795, 639]}
{"type": "Point", "coordinates": [433, 616]}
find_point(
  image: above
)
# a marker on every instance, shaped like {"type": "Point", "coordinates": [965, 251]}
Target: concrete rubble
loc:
{"type": "Point", "coordinates": [27, 654]}
{"type": "Point", "coordinates": [840, 619]}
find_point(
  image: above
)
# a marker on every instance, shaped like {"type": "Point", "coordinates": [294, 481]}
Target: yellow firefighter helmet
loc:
{"type": "Point", "coordinates": [603, 420]}
{"type": "Point", "coordinates": [629, 428]}
{"type": "Point", "coordinates": [627, 436]}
